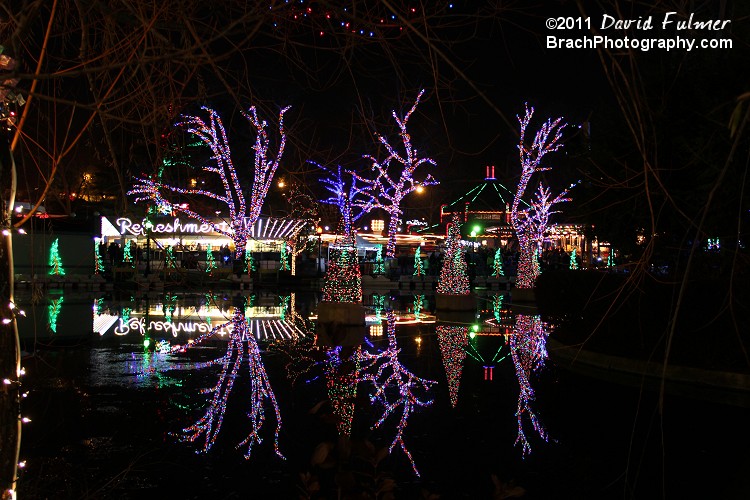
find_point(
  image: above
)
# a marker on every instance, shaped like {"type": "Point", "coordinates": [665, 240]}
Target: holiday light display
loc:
{"type": "Point", "coordinates": [343, 279]}
{"type": "Point", "coordinates": [395, 387]}
{"type": "Point", "coordinates": [487, 364]}
{"type": "Point", "coordinates": [212, 134]}
{"type": "Point", "coordinates": [342, 377]}
{"type": "Point", "coordinates": [53, 311]}
{"type": "Point", "coordinates": [171, 262]}
{"type": "Point", "coordinates": [284, 258]}
{"type": "Point", "coordinates": [418, 306]}
{"type": "Point", "coordinates": [249, 262]}
{"type": "Point", "coordinates": [453, 342]}
{"type": "Point", "coordinates": [497, 306]}
{"type": "Point", "coordinates": [530, 224]}
{"type": "Point", "coordinates": [241, 345]}
{"type": "Point", "coordinates": [390, 186]}
{"type": "Point", "coordinates": [497, 264]}
{"type": "Point", "coordinates": [610, 261]}
{"type": "Point", "coordinates": [350, 195]}
{"type": "Point", "coordinates": [379, 267]}
{"type": "Point", "coordinates": [528, 350]}
{"type": "Point", "coordinates": [55, 262]}
{"type": "Point", "coordinates": [210, 261]}
{"type": "Point", "coordinates": [418, 270]}
{"type": "Point", "coordinates": [127, 254]}
{"type": "Point", "coordinates": [454, 279]}
{"type": "Point", "coordinates": [98, 258]}
{"type": "Point", "coordinates": [378, 303]}
{"type": "Point", "coordinates": [573, 263]}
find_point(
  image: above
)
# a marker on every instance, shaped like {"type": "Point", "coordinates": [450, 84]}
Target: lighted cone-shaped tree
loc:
{"type": "Point", "coordinates": [453, 342]}
{"type": "Point", "coordinates": [573, 263]}
{"type": "Point", "coordinates": [454, 279]}
{"type": "Point", "coordinates": [55, 262]}
{"type": "Point", "coordinates": [241, 215]}
{"type": "Point", "coordinates": [379, 267]}
{"type": "Point", "coordinates": [242, 346]}
{"type": "Point", "coordinates": [528, 350]}
{"type": "Point", "coordinates": [418, 268]}
{"type": "Point", "coordinates": [343, 280]}
{"type": "Point", "coordinates": [497, 264]}
{"type": "Point", "coordinates": [530, 224]}
{"type": "Point", "coordinates": [394, 176]}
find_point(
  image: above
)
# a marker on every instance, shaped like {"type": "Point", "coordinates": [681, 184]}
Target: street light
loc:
{"type": "Point", "coordinates": [319, 230]}
{"type": "Point", "coordinates": [148, 225]}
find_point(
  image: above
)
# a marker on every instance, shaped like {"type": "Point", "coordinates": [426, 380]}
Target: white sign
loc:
{"type": "Point", "coordinates": [127, 226]}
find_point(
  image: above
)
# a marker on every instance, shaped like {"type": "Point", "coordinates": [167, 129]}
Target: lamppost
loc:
{"type": "Point", "coordinates": [148, 225]}
{"type": "Point", "coordinates": [319, 230]}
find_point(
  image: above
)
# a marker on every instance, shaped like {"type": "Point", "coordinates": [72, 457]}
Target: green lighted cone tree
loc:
{"type": "Point", "coordinates": [454, 279]}
{"type": "Point", "coordinates": [379, 267]}
{"type": "Point", "coordinates": [497, 264]}
{"type": "Point", "coordinates": [127, 254]}
{"type": "Point", "coordinates": [284, 258]}
{"type": "Point", "coordinates": [210, 261]}
{"type": "Point", "coordinates": [55, 262]}
{"type": "Point", "coordinates": [573, 263]}
{"type": "Point", "coordinates": [418, 269]}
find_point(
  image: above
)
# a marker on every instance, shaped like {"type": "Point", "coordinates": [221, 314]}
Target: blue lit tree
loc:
{"type": "Point", "coordinates": [352, 197]}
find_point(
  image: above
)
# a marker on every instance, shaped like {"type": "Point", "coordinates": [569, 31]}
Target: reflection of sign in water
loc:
{"type": "Point", "coordinates": [260, 328]}
{"type": "Point", "coordinates": [138, 325]}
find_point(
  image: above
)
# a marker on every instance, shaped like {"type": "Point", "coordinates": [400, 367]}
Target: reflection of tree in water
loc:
{"type": "Point", "coordinates": [393, 387]}
{"type": "Point", "coordinates": [453, 341]}
{"type": "Point", "coordinates": [241, 344]}
{"type": "Point", "coordinates": [386, 373]}
{"type": "Point", "coordinates": [528, 350]}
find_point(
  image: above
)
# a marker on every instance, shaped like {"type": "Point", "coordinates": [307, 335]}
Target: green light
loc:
{"type": "Point", "coordinates": [472, 335]}
{"type": "Point", "coordinates": [476, 229]}
{"type": "Point", "coordinates": [146, 342]}
{"type": "Point", "coordinates": [475, 328]}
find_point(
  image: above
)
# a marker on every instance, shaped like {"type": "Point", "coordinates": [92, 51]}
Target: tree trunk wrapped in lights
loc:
{"type": "Point", "coordinates": [392, 185]}
{"type": "Point", "coordinates": [530, 224]}
{"type": "Point", "coordinates": [241, 216]}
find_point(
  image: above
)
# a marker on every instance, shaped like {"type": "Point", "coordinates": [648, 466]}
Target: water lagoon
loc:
{"type": "Point", "coordinates": [112, 400]}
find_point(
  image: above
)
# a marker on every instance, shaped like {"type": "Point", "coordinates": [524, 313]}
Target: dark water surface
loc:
{"type": "Point", "coordinates": [107, 412]}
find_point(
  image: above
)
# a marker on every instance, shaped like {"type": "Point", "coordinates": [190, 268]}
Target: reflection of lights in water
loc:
{"type": "Point", "coordinates": [376, 330]}
{"type": "Point", "coordinates": [53, 311]}
{"type": "Point", "coordinates": [385, 372]}
{"type": "Point", "coordinates": [241, 346]}
{"type": "Point", "coordinates": [453, 342]}
{"type": "Point", "coordinates": [264, 322]}
{"type": "Point", "coordinates": [528, 349]}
